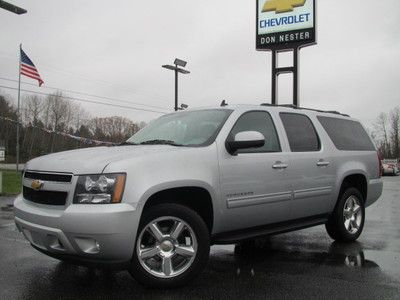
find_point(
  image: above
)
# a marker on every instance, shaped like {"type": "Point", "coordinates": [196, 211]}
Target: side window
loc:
{"type": "Point", "coordinates": [347, 135]}
{"type": "Point", "coordinates": [262, 122]}
{"type": "Point", "coordinates": [300, 132]}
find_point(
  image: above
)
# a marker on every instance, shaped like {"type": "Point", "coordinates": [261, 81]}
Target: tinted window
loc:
{"type": "Point", "coordinates": [262, 122]}
{"type": "Point", "coordinates": [347, 134]}
{"type": "Point", "coordinates": [300, 132]}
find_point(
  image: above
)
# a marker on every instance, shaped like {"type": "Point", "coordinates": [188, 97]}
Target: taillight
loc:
{"type": "Point", "coordinates": [380, 172]}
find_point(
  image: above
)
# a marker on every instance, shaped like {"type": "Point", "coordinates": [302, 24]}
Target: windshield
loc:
{"type": "Point", "coordinates": [192, 128]}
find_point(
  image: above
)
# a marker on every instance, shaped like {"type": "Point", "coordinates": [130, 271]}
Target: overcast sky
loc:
{"type": "Point", "coordinates": [116, 49]}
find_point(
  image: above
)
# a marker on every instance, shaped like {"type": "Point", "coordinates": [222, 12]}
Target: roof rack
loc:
{"type": "Point", "coordinates": [305, 108]}
{"type": "Point", "coordinates": [336, 113]}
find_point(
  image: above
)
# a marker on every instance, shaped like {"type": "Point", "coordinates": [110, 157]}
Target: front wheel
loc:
{"type": "Point", "coordinates": [172, 246]}
{"type": "Point", "coordinates": [347, 221]}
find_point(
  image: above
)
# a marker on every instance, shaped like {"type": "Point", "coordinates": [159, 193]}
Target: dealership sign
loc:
{"type": "Point", "coordinates": [285, 24]}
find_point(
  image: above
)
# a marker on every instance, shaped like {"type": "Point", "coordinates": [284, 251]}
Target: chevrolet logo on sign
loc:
{"type": "Point", "coordinates": [285, 24]}
{"type": "Point", "coordinates": [281, 6]}
{"type": "Point", "coordinates": [37, 185]}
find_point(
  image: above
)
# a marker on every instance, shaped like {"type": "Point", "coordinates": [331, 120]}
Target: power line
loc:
{"type": "Point", "coordinates": [86, 94]}
{"type": "Point", "coordinates": [84, 100]}
{"type": "Point", "coordinates": [62, 133]}
{"type": "Point", "coordinates": [98, 81]}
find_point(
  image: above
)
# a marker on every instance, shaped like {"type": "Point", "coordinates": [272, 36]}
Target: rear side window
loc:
{"type": "Point", "coordinates": [262, 122]}
{"type": "Point", "coordinates": [300, 132]}
{"type": "Point", "coordinates": [347, 135]}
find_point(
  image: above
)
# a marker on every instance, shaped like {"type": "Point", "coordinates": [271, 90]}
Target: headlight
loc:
{"type": "Point", "coordinates": [99, 189]}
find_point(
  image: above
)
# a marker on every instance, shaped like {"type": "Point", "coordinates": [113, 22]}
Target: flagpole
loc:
{"type": "Point", "coordinates": [18, 109]}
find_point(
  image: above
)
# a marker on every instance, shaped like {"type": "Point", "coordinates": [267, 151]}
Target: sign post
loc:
{"type": "Point", "coordinates": [2, 158]}
{"type": "Point", "coordinates": [285, 25]}
{"type": "Point", "coordinates": [2, 153]}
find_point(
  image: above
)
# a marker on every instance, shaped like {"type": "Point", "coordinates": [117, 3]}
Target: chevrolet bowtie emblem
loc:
{"type": "Point", "coordinates": [281, 6]}
{"type": "Point", "coordinates": [37, 185]}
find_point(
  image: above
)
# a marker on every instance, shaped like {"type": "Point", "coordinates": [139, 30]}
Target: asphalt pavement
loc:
{"type": "Point", "coordinates": [303, 264]}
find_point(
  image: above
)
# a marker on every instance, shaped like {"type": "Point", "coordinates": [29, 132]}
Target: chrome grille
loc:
{"type": "Point", "coordinates": [49, 188]}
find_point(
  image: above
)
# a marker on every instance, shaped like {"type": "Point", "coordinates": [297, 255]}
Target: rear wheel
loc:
{"type": "Point", "coordinates": [347, 221]}
{"type": "Point", "coordinates": [172, 246]}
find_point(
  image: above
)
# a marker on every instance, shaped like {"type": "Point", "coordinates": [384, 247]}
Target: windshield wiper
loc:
{"type": "Point", "coordinates": [127, 143]}
{"type": "Point", "coordinates": [160, 142]}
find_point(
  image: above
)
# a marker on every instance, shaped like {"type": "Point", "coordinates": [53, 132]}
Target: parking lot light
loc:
{"type": "Point", "coordinates": [12, 8]}
{"type": "Point", "coordinates": [176, 68]}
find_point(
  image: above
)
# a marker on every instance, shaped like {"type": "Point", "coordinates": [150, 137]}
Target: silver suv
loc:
{"type": "Point", "coordinates": [191, 179]}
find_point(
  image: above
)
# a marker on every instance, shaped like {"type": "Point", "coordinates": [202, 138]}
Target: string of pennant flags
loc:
{"type": "Point", "coordinates": [83, 140]}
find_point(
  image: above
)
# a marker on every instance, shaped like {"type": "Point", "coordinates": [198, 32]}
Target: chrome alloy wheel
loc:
{"type": "Point", "coordinates": [166, 247]}
{"type": "Point", "coordinates": [352, 214]}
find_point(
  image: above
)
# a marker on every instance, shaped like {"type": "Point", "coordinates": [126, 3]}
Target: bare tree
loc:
{"type": "Point", "coordinates": [55, 113]}
{"type": "Point", "coordinates": [58, 113]}
{"type": "Point", "coordinates": [381, 134]}
{"type": "Point", "coordinates": [395, 131]}
{"type": "Point", "coordinates": [142, 124]}
{"type": "Point", "coordinates": [81, 116]}
{"type": "Point", "coordinates": [33, 108]}
{"type": "Point", "coordinates": [115, 129]}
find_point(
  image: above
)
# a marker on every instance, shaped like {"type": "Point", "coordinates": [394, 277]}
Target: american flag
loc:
{"type": "Point", "coordinates": [28, 68]}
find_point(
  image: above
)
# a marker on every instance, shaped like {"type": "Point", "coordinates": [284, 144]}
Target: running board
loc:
{"type": "Point", "coordinates": [270, 229]}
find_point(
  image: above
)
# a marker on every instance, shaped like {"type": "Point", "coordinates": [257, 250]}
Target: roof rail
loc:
{"type": "Point", "coordinates": [305, 108]}
{"type": "Point", "coordinates": [289, 106]}
{"type": "Point", "coordinates": [335, 112]}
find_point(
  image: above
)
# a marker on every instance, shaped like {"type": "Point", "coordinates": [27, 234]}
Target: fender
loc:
{"type": "Point", "coordinates": [180, 184]}
{"type": "Point", "coordinates": [347, 170]}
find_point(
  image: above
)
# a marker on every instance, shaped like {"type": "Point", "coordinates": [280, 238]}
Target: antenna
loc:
{"type": "Point", "coordinates": [224, 103]}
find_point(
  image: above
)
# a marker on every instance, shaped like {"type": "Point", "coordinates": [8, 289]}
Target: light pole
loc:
{"type": "Point", "coordinates": [12, 8]}
{"type": "Point", "coordinates": [177, 64]}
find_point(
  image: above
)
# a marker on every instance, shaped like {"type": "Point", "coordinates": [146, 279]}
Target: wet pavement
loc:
{"type": "Point", "coordinates": [303, 264]}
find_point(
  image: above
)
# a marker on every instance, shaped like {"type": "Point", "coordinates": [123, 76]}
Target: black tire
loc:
{"type": "Point", "coordinates": [201, 233]}
{"type": "Point", "coordinates": [336, 226]}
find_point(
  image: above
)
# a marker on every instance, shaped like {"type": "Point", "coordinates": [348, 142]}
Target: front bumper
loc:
{"type": "Point", "coordinates": [103, 234]}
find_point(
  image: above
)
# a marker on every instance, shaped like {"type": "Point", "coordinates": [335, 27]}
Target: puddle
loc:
{"type": "Point", "coordinates": [388, 261]}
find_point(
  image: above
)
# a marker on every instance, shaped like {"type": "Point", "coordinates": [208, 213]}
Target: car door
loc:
{"type": "Point", "coordinates": [311, 170]}
{"type": "Point", "coordinates": [254, 188]}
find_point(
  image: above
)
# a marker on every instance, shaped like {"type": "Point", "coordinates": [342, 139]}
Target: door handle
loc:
{"type": "Point", "coordinates": [323, 163]}
{"type": "Point", "coordinates": [279, 165]}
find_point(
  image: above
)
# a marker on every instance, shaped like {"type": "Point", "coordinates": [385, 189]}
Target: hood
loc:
{"type": "Point", "coordinates": [93, 160]}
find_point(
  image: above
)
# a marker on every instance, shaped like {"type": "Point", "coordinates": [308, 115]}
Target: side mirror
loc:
{"type": "Point", "coordinates": [245, 140]}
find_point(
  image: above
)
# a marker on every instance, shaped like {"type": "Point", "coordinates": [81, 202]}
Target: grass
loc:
{"type": "Point", "coordinates": [11, 183]}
